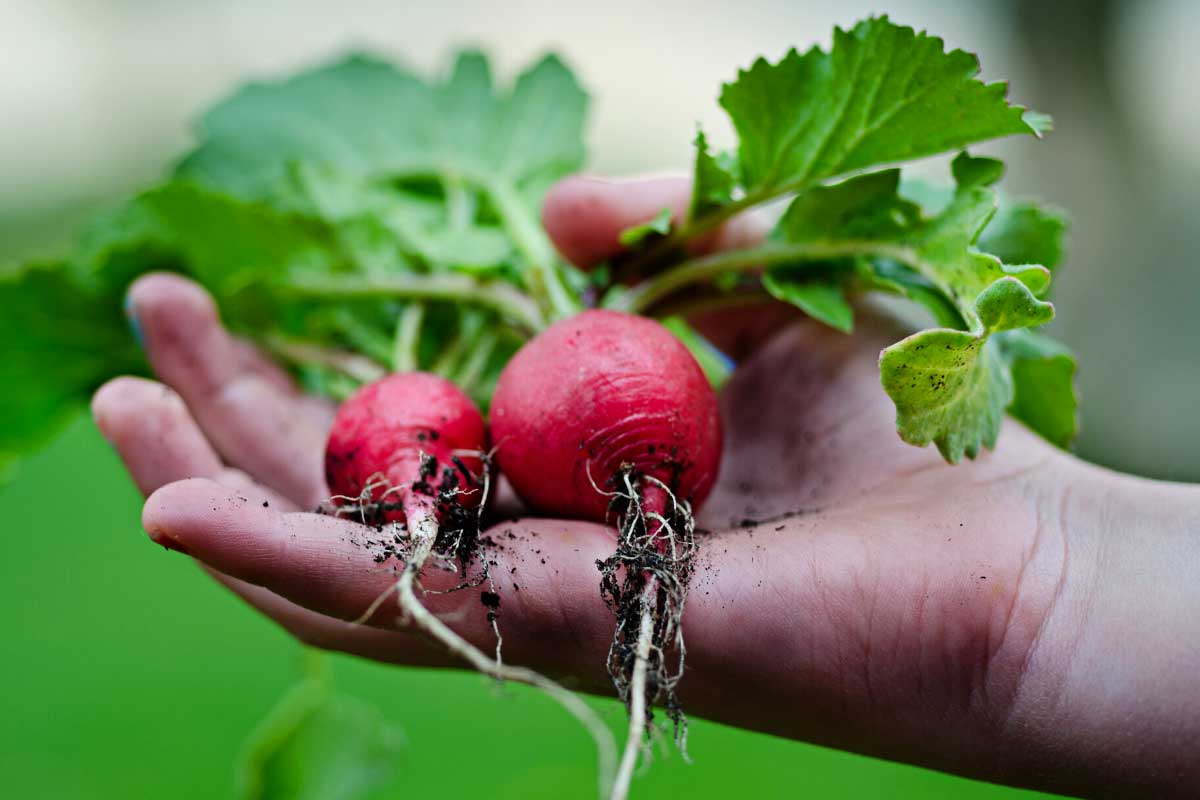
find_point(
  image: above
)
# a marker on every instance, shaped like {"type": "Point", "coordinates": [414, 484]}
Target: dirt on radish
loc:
{"type": "Point", "coordinates": [407, 455]}
{"type": "Point", "coordinates": [607, 417]}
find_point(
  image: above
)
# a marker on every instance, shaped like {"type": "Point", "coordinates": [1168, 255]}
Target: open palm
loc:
{"type": "Point", "coordinates": [854, 591]}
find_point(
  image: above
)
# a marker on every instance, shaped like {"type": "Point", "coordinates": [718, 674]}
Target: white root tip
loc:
{"type": "Point", "coordinates": [637, 697]}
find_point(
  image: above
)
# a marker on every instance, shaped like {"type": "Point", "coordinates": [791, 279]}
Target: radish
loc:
{"type": "Point", "coordinates": [388, 442]}
{"type": "Point", "coordinates": [408, 450]}
{"type": "Point", "coordinates": [606, 416]}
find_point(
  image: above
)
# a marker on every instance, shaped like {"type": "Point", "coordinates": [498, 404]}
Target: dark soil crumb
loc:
{"type": "Point", "coordinates": [753, 522]}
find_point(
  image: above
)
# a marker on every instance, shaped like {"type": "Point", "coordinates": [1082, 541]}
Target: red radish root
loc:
{"type": "Point", "coordinates": [408, 452]}
{"type": "Point", "coordinates": [608, 417]}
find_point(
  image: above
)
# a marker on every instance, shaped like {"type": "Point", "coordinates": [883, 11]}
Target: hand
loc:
{"type": "Point", "coordinates": [1024, 618]}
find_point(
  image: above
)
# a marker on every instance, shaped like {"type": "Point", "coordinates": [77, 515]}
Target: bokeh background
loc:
{"type": "Point", "coordinates": [126, 673]}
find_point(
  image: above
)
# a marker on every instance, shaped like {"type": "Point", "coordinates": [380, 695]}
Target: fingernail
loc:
{"type": "Point", "coordinates": [135, 325]}
{"type": "Point", "coordinates": [158, 537]}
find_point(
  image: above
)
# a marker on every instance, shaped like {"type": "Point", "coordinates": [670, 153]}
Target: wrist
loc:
{"type": "Point", "coordinates": [1109, 700]}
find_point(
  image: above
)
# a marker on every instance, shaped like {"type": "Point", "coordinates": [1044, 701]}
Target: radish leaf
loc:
{"type": "Point", "coordinates": [819, 296]}
{"type": "Point", "coordinates": [882, 94]}
{"type": "Point", "coordinates": [63, 335]}
{"type": "Point", "coordinates": [1026, 233]}
{"type": "Point", "coordinates": [368, 118]}
{"type": "Point", "coordinates": [950, 385]}
{"type": "Point", "coordinates": [715, 178]}
{"type": "Point", "coordinates": [1043, 374]}
{"type": "Point", "coordinates": [658, 226]}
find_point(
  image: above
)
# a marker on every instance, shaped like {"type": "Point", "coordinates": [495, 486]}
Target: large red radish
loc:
{"type": "Point", "coordinates": [607, 416]}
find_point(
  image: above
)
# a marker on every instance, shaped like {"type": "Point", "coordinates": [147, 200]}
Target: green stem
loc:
{"type": "Point", "coordinates": [408, 338]}
{"type": "Point", "coordinates": [472, 368]}
{"type": "Point", "coordinates": [470, 322]}
{"type": "Point", "coordinates": [532, 242]}
{"type": "Point", "coordinates": [352, 365]}
{"type": "Point", "coordinates": [496, 295]}
{"type": "Point", "coordinates": [339, 388]}
{"type": "Point", "coordinates": [523, 227]}
{"type": "Point", "coordinates": [460, 204]}
{"type": "Point", "coordinates": [369, 339]}
{"type": "Point", "coordinates": [678, 238]}
{"type": "Point", "coordinates": [646, 294]}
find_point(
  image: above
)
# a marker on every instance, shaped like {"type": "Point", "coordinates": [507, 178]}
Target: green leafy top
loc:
{"type": "Point", "coordinates": [366, 118]}
{"type": "Point", "coordinates": [357, 218]}
{"type": "Point", "coordinates": [885, 94]}
{"type": "Point", "coordinates": [951, 384]}
{"type": "Point", "coordinates": [364, 140]}
{"type": "Point", "coordinates": [319, 210]}
{"type": "Point", "coordinates": [881, 95]}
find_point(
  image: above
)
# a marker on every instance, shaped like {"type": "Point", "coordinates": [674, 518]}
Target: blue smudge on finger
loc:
{"type": "Point", "coordinates": [135, 325]}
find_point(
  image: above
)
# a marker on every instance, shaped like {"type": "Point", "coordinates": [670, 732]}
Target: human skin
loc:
{"type": "Point", "coordinates": [1025, 618]}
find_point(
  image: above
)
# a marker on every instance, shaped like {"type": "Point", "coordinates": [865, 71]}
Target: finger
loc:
{"type": "Point", "coordinates": [265, 430]}
{"type": "Point", "coordinates": [584, 215]}
{"type": "Point", "coordinates": [150, 428]}
{"type": "Point", "coordinates": [740, 331]}
{"type": "Point", "coordinates": [250, 359]}
{"type": "Point", "coordinates": [319, 409]}
{"type": "Point", "coordinates": [152, 431]}
{"type": "Point", "coordinates": [551, 611]}
{"type": "Point", "coordinates": [775, 622]}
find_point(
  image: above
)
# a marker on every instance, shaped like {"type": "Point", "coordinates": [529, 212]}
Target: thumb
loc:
{"type": "Point", "coordinates": [585, 215]}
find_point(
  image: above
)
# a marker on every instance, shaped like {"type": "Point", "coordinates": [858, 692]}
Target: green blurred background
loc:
{"type": "Point", "coordinates": [127, 673]}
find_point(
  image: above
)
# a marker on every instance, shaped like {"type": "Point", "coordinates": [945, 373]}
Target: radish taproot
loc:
{"type": "Point", "coordinates": [409, 451]}
{"type": "Point", "coordinates": [607, 416]}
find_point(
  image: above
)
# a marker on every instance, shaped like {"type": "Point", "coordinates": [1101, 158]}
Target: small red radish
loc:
{"type": "Point", "coordinates": [409, 444]}
{"type": "Point", "coordinates": [606, 412]}
{"type": "Point", "coordinates": [410, 448]}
